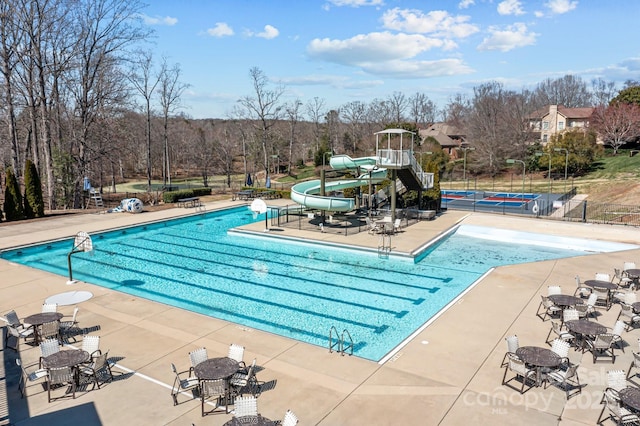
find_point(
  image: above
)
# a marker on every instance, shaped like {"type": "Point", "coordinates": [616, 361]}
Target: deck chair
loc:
{"type": "Point", "coordinates": [48, 347]}
{"type": "Point", "coordinates": [49, 307]}
{"type": "Point", "coordinates": [567, 380]}
{"type": "Point", "coordinates": [196, 357]}
{"type": "Point", "coordinates": [549, 309]}
{"type": "Point", "coordinates": [181, 384]}
{"type": "Point", "coordinates": [602, 345]}
{"type": "Point", "coordinates": [29, 375]}
{"type": "Point", "coordinates": [617, 331]}
{"type": "Point", "coordinates": [50, 330]}
{"type": "Point", "coordinates": [554, 289]}
{"type": "Point", "coordinates": [627, 315]}
{"type": "Point", "coordinates": [246, 406]}
{"type": "Point", "coordinates": [602, 276]}
{"type": "Point", "coordinates": [520, 370]}
{"type": "Point", "coordinates": [242, 381]}
{"type": "Point", "coordinates": [635, 363]}
{"type": "Point", "coordinates": [23, 330]}
{"type": "Point", "coordinates": [616, 412]}
{"type": "Point", "coordinates": [581, 290]}
{"type": "Point", "coordinates": [512, 347]}
{"type": "Point", "coordinates": [98, 369]}
{"type": "Point", "coordinates": [603, 297]}
{"type": "Point", "coordinates": [570, 314]}
{"type": "Point", "coordinates": [91, 344]}
{"type": "Point", "coordinates": [289, 419]}
{"type": "Point", "coordinates": [396, 226]}
{"type": "Point", "coordinates": [623, 279]}
{"type": "Point", "coordinates": [13, 332]}
{"type": "Point", "coordinates": [372, 228]}
{"type": "Point", "coordinates": [67, 325]}
{"type": "Point", "coordinates": [561, 348]}
{"type": "Point", "coordinates": [559, 333]}
{"type": "Point", "coordinates": [214, 389]}
{"type": "Point", "coordinates": [60, 376]}
{"type": "Point", "coordinates": [236, 353]}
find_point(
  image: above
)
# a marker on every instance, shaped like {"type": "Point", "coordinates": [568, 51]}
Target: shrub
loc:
{"type": "Point", "coordinates": [33, 201]}
{"type": "Point", "coordinates": [12, 198]}
{"type": "Point", "coordinates": [174, 196]}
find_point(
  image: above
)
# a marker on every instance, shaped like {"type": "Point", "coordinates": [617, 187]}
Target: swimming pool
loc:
{"type": "Point", "coordinates": [295, 290]}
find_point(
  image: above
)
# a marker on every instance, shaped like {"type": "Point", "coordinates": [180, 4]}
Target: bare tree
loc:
{"type": "Point", "coordinates": [263, 106]}
{"type": "Point", "coordinates": [293, 115]}
{"type": "Point", "coordinates": [315, 109]}
{"type": "Point", "coordinates": [617, 124]}
{"type": "Point", "coordinates": [145, 83]}
{"type": "Point", "coordinates": [170, 91]}
{"type": "Point", "coordinates": [354, 115]}
{"type": "Point", "coordinates": [423, 110]}
{"type": "Point", "coordinates": [569, 91]}
{"type": "Point", "coordinates": [602, 91]}
{"type": "Point", "coordinates": [398, 104]}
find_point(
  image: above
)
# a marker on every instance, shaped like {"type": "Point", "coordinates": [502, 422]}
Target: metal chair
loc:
{"type": "Point", "coordinates": [60, 376]}
{"type": "Point", "coordinates": [182, 384]}
{"type": "Point", "coordinates": [602, 346]}
{"type": "Point", "coordinates": [512, 347]}
{"type": "Point", "coordinates": [99, 367]}
{"type": "Point", "coordinates": [236, 353]}
{"type": "Point", "coordinates": [48, 347]}
{"type": "Point", "coordinates": [550, 309]}
{"type": "Point", "coordinates": [50, 330]}
{"type": "Point", "coordinates": [245, 406]}
{"type": "Point", "coordinates": [49, 307]}
{"type": "Point", "coordinates": [196, 357]}
{"type": "Point", "coordinates": [581, 290]}
{"type": "Point", "coordinates": [214, 389]}
{"type": "Point", "coordinates": [91, 344]}
{"type": "Point", "coordinates": [520, 370]}
{"type": "Point", "coordinates": [289, 419]}
{"type": "Point", "coordinates": [242, 381]}
{"type": "Point", "coordinates": [566, 379]}
{"type": "Point", "coordinates": [29, 375]}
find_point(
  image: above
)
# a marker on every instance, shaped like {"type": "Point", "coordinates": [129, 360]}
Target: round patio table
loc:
{"type": "Point", "coordinates": [66, 358]}
{"type": "Point", "coordinates": [564, 300]}
{"type": "Point", "coordinates": [630, 397]}
{"type": "Point", "coordinates": [539, 358]}
{"type": "Point", "coordinates": [250, 420]}
{"type": "Point", "coordinates": [37, 320]}
{"type": "Point", "coordinates": [216, 368]}
{"type": "Point", "coordinates": [601, 284]}
{"type": "Point", "coordinates": [584, 329]}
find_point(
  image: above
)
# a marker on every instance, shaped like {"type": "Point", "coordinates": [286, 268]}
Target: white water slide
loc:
{"type": "Point", "coordinates": [308, 193]}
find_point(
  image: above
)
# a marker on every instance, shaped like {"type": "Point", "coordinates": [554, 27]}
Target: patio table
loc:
{"type": "Point", "coordinates": [630, 397]}
{"type": "Point", "coordinates": [539, 358]}
{"type": "Point", "coordinates": [250, 420]}
{"type": "Point", "coordinates": [216, 368]}
{"type": "Point", "coordinates": [601, 284]}
{"type": "Point", "coordinates": [585, 329]}
{"type": "Point", "coordinates": [565, 300]}
{"type": "Point", "coordinates": [37, 320]}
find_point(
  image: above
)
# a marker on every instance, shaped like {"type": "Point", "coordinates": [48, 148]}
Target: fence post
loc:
{"type": "Point", "coordinates": [584, 211]}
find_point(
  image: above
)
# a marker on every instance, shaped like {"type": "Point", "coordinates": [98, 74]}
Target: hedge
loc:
{"type": "Point", "coordinates": [174, 196]}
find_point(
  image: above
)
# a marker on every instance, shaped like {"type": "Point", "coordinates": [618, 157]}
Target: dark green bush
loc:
{"type": "Point", "coordinates": [33, 200]}
{"type": "Point", "coordinates": [12, 198]}
{"type": "Point", "coordinates": [174, 196]}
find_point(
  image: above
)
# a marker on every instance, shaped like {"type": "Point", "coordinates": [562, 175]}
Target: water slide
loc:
{"type": "Point", "coordinates": [308, 193]}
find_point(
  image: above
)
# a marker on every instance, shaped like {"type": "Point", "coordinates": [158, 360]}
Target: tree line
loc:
{"type": "Point", "coordinates": [81, 97]}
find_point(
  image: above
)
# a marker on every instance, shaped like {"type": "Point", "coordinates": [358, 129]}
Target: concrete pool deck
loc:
{"type": "Point", "coordinates": [447, 374]}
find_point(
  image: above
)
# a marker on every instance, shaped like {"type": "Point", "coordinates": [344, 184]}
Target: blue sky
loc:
{"type": "Point", "coordinates": [359, 50]}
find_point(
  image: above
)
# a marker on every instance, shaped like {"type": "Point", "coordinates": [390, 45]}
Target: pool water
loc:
{"type": "Point", "coordinates": [295, 290]}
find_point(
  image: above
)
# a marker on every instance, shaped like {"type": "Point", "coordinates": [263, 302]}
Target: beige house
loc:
{"type": "Point", "coordinates": [554, 119]}
{"type": "Point", "coordinates": [449, 137]}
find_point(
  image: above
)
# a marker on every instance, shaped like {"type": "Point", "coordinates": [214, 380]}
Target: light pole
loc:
{"type": "Point", "coordinates": [540, 154]}
{"type": "Point", "coordinates": [566, 164]}
{"type": "Point", "coordinates": [524, 167]}
{"type": "Point", "coordinates": [464, 162]}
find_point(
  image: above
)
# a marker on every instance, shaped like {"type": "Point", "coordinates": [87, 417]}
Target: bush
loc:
{"type": "Point", "coordinates": [174, 196]}
{"type": "Point", "coordinates": [12, 198]}
{"type": "Point", "coordinates": [33, 201]}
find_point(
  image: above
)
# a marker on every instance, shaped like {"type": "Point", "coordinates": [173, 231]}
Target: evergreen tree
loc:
{"type": "Point", "coordinates": [12, 198]}
{"type": "Point", "coordinates": [33, 201]}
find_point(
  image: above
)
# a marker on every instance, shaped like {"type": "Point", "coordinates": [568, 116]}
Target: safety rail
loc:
{"type": "Point", "coordinates": [340, 342]}
{"type": "Point", "coordinates": [384, 246]}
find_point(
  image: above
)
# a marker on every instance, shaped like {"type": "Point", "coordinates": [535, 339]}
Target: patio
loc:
{"type": "Point", "coordinates": [442, 376]}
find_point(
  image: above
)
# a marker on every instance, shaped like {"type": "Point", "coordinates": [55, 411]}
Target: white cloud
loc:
{"type": "Point", "coordinates": [438, 22]}
{"type": "Point", "coordinates": [510, 7]}
{"type": "Point", "coordinates": [383, 46]}
{"type": "Point", "coordinates": [356, 3]}
{"type": "Point", "coordinates": [387, 54]}
{"type": "Point", "coordinates": [336, 81]}
{"type": "Point", "coordinates": [269, 32]}
{"type": "Point", "coordinates": [511, 37]}
{"type": "Point", "coordinates": [158, 20]}
{"type": "Point", "coordinates": [558, 7]}
{"type": "Point", "coordinates": [221, 29]}
{"type": "Point", "coordinates": [465, 4]}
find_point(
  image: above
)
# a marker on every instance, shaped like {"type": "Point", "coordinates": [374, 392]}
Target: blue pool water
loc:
{"type": "Point", "coordinates": [292, 289]}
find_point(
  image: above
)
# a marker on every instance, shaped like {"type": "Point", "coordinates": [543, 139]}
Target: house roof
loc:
{"type": "Point", "coordinates": [570, 113]}
{"type": "Point", "coordinates": [446, 134]}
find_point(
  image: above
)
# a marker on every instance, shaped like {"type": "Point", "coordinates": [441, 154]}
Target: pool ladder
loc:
{"type": "Point", "coordinates": [384, 246]}
{"type": "Point", "coordinates": [340, 342]}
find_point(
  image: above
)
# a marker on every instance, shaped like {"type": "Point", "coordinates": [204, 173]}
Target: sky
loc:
{"type": "Point", "coordinates": [341, 51]}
